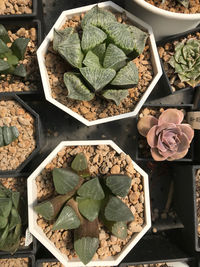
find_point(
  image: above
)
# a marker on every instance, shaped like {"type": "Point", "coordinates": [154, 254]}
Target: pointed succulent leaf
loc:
{"type": "Point", "coordinates": [14, 219]}
{"type": "Point", "coordinates": [12, 59]}
{"type": "Point", "coordinates": [15, 199]}
{"type": "Point", "coordinates": [80, 165]}
{"type": "Point", "coordinates": [91, 189]}
{"type": "Point", "coordinates": [89, 208]}
{"type": "Point", "coordinates": [127, 76]}
{"type": "Point", "coordinates": [3, 236]}
{"type": "Point", "coordinates": [139, 39]}
{"type": "Point", "coordinates": [76, 89]}
{"type": "Point", "coordinates": [70, 50]}
{"type": "Point", "coordinates": [185, 3]}
{"type": "Point", "coordinates": [119, 229]}
{"type": "Point", "coordinates": [119, 184]}
{"type": "Point", "coordinates": [98, 78]}
{"type": "Point", "coordinates": [86, 248]}
{"type": "Point", "coordinates": [65, 180]}
{"type": "Point", "coordinates": [20, 71]}
{"type": "Point", "coordinates": [19, 47]}
{"type": "Point", "coordinates": [10, 134]}
{"type": "Point", "coordinates": [120, 36]}
{"type": "Point", "coordinates": [61, 35]}
{"type": "Point", "coordinates": [116, 210]}
{"type": "Point", "coordinates": [13, 240]}
{"type": "Point", "coordinates": [67, 220]}
{"type": "Point", "coordinates": [117, 95]}
{"type": "Point", "coordinates": [5, 192]}
{"type": "Point", "coordinates": [4, 65]}
{"type": "Point", "coordinates": [114, 58]}
{"type": "Point", "coordinates": [4, 34]}
{"type": "Point", "coordinates": [97, 17]}
{"type": "Point", "coordinates": [3, 48]}
{"type": "Point", "coordinates": [3, 222]}
{"type": "Point", "coordinates": [99, 51]}
{"type": "Point", "coordinates": [91, 60]}
{"type": "Point", "coordinates": [5, 207]}
{"type": "Point", "coordinates": [92, 36]}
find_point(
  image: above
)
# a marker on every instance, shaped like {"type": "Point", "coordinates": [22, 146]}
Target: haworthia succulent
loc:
{"type": "Point", "coordinates": [19, 47]}
{"type": "Point", "coordinates": [119, 184]}
{"type": "Point", "coordinates": [91, 189]}
{"type": "Point", "coordinates": [117, 95]}
{"type": "Point", "coordinates": [80, 165]}
{"type": "Point", "coordinates": [8, 135]}
{"type": "Point", "coordinates": [60, 36]}
{"type": "Point", "coordinates": [89, 208]}
{"type": "Point", "coordinates": [4, 35]}
{"type": "Point", "coordinates": [91, 60]}
{"type": "Point", "coordinates": [99, 51]}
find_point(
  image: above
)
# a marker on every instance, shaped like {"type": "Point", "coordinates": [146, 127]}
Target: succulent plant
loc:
{"type": "Point", "coordinates": [167, 136]}
{"type": "Point", "coordinates": [185, 3]}
{"type": "Point", "coordinates": [82, 201]}
{"type": "Point", "coordinates": [186, 61]}
{"type": "Point", "coordinates": [101, 58]}
{"type": "Point", "coordinates": [11, 55]}
{"type": "Point", "coordinates": [8, 135]}
{"type": "Point", "coordinates": [10, 220]}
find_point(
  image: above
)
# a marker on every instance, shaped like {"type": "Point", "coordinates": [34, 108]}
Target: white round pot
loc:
{"type": "Point", "coordinates": [164, 23]}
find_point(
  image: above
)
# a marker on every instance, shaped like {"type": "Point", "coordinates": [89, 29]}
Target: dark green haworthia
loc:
{"type": "Point", "coordinates": [119, 184]}
{"type": "Point", "coordinates": [76, 88]}
{"type": "Point", "coordinates": [92, 36]}
{"type": "Point", "coordinates": [80, 165]}
{"type": "Point", "coordinates": [119, 229]}
{"type": "Point", "coordinates": [19, 47]}
{"type": "Point", "coordinates": [4, 35]}
{"type": "Point", "coordinates": [91, 189]}
{"type": "Point", "coordinates": [61, 35]}
{"type": "Point", "coordinates": [91, 60]}
{"type": "Point", "coordinates": [114, 58]}
{"type": "Point", "coordinates": [89, 208]}
{"type": "Point", "coordinates": [117, 95]}
{"type": "Point", "coordinates": [98, 78]}
{"type": "Point", "coordinates": [8, 135]}
{"type": "Point", "coordinates": [127, 76]}
{"type": "Point", "coordinates": [4, 65]}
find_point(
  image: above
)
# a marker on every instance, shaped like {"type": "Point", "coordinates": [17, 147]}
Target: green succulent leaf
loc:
{"type": "Point", "coordinates": [92, 36]}
{"type": "Point", "coordinates": [98, 78]}
{"type": "Point", "coordinates": [76, 89]}
{"type": "Point", "coordinates": [65, 180]}
{"type": "Point", "coordinates": [3, 48]}
{"type": "Point", "coordinates": [12, 241]}
{"type": "Point", "coordinates": [12, 59]}
{"type": "Point", "coordinates": [20, 71]}
{"type": "Point", "coordinates": [114, 58]}
{"type": "Point", "coordinates": [116, 210]}
{"type": "Point", "coordinates": [4, 65]}
{"type": "Point", "coordinates": [127, 76]}
{"type": "Point", "coordinates": [19, 47]}
{"type": "Point", "coordinates": [8, 135]}
{"type": "Point", "coordinates": [61, 35]}
{"type": "Point", "coordinates": [15, 199]}
{"type": "Point", "coordinates": [91, 189]}
{"type": "Point", "coordinates": [97, 17]}
{"type": "Point", "coordinates": [70, 50]}
{"type": "Point", "coordinates": [139, 39]}
{"type": "Point", "coordinates": [3, 222]}
{"type": "Point", "coordinates": [4, 34]}
{"type": "Point", "coordinates": [99, 51]}
{"type": "Point", "coordinates": [185, 3]}
{"type": "Point", "coordinates": [119, 229]}
{"type": "Point", "coordinates": [91, 60]}
{"type": "Point", "coordinates": [4, 192]}
{"type": "Point", "coordinates": [119, 184]}
{"type": "Point", "coordinates": [3, 236]}
{"type": "Point", "coordinates": [120, 36]}
{"type": "Point", "coordinates": [67, 220]}
{"type": "Point", "coordinates": [116, 95]}
{"type": "Point", "coordinates": [15, 219]}
{"type": "Point", "coordinates": [89, 208]}
{"type": "Point", "coordinates": [80, 165]}
{"type": "Point", "coordinates": [5, 207]}
{"type": "Point", "coordinates": [86, 248]}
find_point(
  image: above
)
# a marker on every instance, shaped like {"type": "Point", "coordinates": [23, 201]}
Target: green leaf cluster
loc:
{"type": "Point", "coordinates": [10, 56]}
{"type": "Point", "coordinates": [10, 220]}
{"type": "Point", "coordinates": [186, 61]}
{"type": "Point", "coordinates": [82, 201]}
{"type": "Point", "coordinates": [8, 135]}
{"type": "Point", "coordinates": [102, 58]}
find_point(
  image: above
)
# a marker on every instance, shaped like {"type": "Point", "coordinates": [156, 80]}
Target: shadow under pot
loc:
{"type": "Point", "coordinates": [20, 71]}
{"type": "Point", "coordinates": [179, 56]}
{"type": "Point", "coordinates": [19, 134]}
{"type": "Point", "coordinates": [164, 134]}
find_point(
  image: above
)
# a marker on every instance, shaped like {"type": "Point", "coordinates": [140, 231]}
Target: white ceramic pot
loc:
{"type": "Point", "coordinates": [77, 11]}
{"type": "Point", "coordinates": [164, 23]}
{"type": "Point", "coordinates": [40, 235]}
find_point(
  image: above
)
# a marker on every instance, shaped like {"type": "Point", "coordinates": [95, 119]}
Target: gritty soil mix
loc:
{"type": "Point", "coordinates": [168, 50]}
{"type": "Point", "coordinates": [15, 262]}
{"type": "Point", "coordinates": [12, 155]}
{"type": "Point", "coordinates": [151, 265]}
{"type": "Point", "coordinates": [173, 6]}
{"type": "Point", "coordinates": [10, 83]}
{"type": "Point", "coordinates": [98, 107]}
{"type": "Point", "coordinates": [13, 7]}
{"type": "Point", "coordinates": [102, 160]}
{"type": "Point", "coordinates": [58, 264]}
{"type": "Point", "coordinates": [198, 199]}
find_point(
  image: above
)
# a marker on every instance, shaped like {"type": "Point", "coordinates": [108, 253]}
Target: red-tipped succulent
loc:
{"type": "Point", "coordinates": [168, 138]}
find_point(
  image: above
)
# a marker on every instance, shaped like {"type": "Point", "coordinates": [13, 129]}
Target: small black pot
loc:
{"type": "Point", "coordinates": [38, 132]}
{"type": "Point", "coordinates": [190, 154]}
{"type": "Point", "coordinates": [30, 257]}
{"type": "Point", "coordinates": [23, 16]}
{"type": "Point", "coordinates": [164, 80]}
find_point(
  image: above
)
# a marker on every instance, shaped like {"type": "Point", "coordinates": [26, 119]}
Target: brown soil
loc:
{"type": "Point", "coordinates": [9, 83]}
{"type": "Point", "coordinates": [15, 262]}
{"type": "Point", "coordinates": [101, 160]}
{"type": "Point", "coordinates": [151, 265]}
{"type": "Point", "coordinates": [58, 264]}
{"type": "Point", "coordinates": [198, 199]}
{"type": "Point", "coordinates": [12, 155]}
{"type": "Point", "coordinates": [165, 53]}
{"type": "Point", "coordinates": [173, 6]}
{"type": "Point", "coordinates": [11, 7]}
{"type": "Point", "coordinates": [97, 108]}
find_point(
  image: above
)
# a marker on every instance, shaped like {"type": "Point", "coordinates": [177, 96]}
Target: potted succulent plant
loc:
{"type": "Point", "coordinates": [87, 204]}
{"type": "Point", "coordinates": [179, 16]}
{"type": "Point", "coordinates": [98, 60]}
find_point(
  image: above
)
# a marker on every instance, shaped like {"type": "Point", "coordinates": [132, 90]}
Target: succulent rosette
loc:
{"type": "Point", "coordinates": [167, 136]}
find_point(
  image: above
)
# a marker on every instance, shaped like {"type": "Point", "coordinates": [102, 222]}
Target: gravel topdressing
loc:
{"type": "Point", "coordinates": [16, 262]}
{"type": "Point", "coordinates": [15, 7]}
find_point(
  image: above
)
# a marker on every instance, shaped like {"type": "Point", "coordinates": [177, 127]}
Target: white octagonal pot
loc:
{"type": "Point", "coordinates": [41, 52]}
{"type": "Point", "coordinates": [40, 235]}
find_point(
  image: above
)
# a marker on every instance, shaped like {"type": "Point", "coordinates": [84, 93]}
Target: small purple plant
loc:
{"type": "Point", "coordinates": [168, 138]}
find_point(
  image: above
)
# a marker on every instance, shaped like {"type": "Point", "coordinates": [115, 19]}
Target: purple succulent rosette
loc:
{"type": "Point", "coordinates": [168, 138]}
